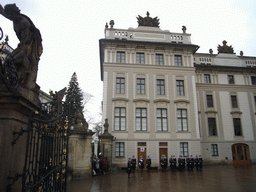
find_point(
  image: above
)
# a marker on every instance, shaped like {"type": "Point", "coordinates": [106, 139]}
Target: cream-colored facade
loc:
{"type": "Point", "coordinates": [154, 96]}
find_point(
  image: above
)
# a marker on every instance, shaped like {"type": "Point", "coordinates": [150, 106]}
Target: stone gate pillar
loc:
{"type": "Point", "coordinates": [106, 143]}
{"type": "Point", "coordinates": [15, 109]}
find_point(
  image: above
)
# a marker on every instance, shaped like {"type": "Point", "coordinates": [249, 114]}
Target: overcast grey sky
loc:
{"type": "Point", "coordinates": [71, 31]}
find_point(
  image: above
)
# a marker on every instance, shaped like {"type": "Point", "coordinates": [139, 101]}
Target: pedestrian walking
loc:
{"type": "Point", "coordinates": [133, 164]}
{"type": "Point", "coordinates": [129, 167]}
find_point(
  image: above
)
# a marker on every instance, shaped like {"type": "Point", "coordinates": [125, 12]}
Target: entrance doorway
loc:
{"type": "Point", "coordinates": [162, 151]}
{"type": "Point", "coordinates": [142, 151]}
{"type": "Point", "coordinates": [241, 154]}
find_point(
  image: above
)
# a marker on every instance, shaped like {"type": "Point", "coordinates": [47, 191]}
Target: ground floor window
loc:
{"type": "Point", "coordinates": [184, 149]}
{"type": "Point", "coordinates": [119, 149]}
{"type": "Point", "coordinates": [214, 150]}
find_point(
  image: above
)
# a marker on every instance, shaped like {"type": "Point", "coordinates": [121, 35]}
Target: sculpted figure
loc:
{"type": "Point", "coordinates": [26, 55]}
{"type": "Point", "coordinates": [225, 48]}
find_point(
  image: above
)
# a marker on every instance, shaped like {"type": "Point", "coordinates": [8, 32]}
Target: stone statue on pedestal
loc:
{"type": "Point", "coordinates": [26, 56]}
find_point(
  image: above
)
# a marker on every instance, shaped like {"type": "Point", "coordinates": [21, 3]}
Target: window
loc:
{"type": "Point", "coordinates": [119, 149]}
{"type": "Point", "coordinates": [120, 57]}
{"type": "Point", "coordinates": [234, 101]}
{"type": "Point", "coordinates": [120, 118]}
{"type": "Point", "coordinates": [214, 150]}
{"type": "Point", "coordinates": [140, 58]}
{"type": "Point", "coordinates": [178, 60]}
{"type": "Point", "coordinates": [160, 86]}
{"type": "Point", "coordinates": [209, 100]}
{"type": "Point", "coordinates": [231, 79]}
{"type": "Point", "coordinates": [161, 116]}
{"type": "Point", "coordinates": [182, 119]}
{"type": "Point", "coordinates": [253, 78]}
{"type": "Point", "coordinates": [212, 127]}
{"type": "Point", "coordinates": [141, 119]}
{"type": "Point", "coordinates": [140, 86]}
{"type": "Point", "coordinates": [237, 126]}
{"type": "Point", "coordinates": [180, 87]}
{"type": "Point", "coordinates": [184, 149]}
{"type": "Point", "coordinates": [255, 101]}
{"type": "Point", "coordinates": [159, 59]}
{"type": "Point", "coordinates": [207, 78]}
{"type": "Point", "coordinates": [120, 85]}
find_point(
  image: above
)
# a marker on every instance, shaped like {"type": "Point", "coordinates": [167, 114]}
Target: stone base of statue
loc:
{"type": "Point", "coordinates": [15, 109]}
{"type": "Point", "coordinates": [80, 151]}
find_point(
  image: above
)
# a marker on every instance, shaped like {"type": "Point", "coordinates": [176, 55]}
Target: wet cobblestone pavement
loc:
{"type": "Point", "coordinates": [214, 178]}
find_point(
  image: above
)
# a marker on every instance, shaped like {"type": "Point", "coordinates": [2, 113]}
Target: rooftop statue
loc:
{"type": "Point", "coordinates": [26, 55]}
{"type": "Point", "coordinates": [148, 21]}
{"type": "Point", "coordinates": [225, 48]}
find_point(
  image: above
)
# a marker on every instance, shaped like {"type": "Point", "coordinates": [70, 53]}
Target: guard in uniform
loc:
{"type": "Point", "coordinates": [173, 163]}
{"type": "Point", "coordinates": [148, 163]}
{"type": "Point", "coordinates": [133, 164]}
{"type": "Point", "coordinates": [164, 163]}
{"type": "Point", "coordinates": [181, 163]}
{"type": "Point", "coordinates": [190, 163]}
{"type": "Point", "coordinates": [141, 164]}
{"type": "Point", "coordinates": [200, 163]}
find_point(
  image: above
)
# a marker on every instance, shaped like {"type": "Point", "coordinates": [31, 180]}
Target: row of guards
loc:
{"type": "Point", "coordinates": [181, 164]}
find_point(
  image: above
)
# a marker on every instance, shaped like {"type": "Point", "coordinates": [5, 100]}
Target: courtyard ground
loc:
{"type": "Point", "coordinates": [214, 178]}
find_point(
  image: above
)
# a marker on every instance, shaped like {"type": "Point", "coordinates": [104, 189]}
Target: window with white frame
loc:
{"type": "Point", "coordinates": [253, 79]}
{"type": "Point", "coordinates": [140, 58]}
{"type": "Point", "coordinates": [182, 119]}
{"type": "Point", "coordinates": [237, 126]}
{"type": "Point", "coordinates": [120, 57]}
{"type": "Point", "coordinates": [120, 85]}
{"type": "Point", "coordinates": [120, 119]}
{"type": "Point", "coordinates": [234, 101]}
{"type": "Point", "coordinates": [161, 116]}
{"type": "Point", "coordinates": [212, 126]}
{"type": "Point", "coordinates": [231, 79]}
{"type": "Point", "coordinates": [140, 86]}
{"type": "Point", "coordinates": [178, 60]}
{"type": "Point", "coordinates": [180, 87]}
{"type": "Point", "coordinates": [214, 148]}
{"type": "Point", "coordinates": [119, 149]}
{"type": "Point", "coordinates": [160, 87]}
{"type": "Point", "coordinates": [209, 100]}
{"type": "Point", "coordinates": [207, 78]}
{"type": "Point", "coordinates": [141, 119]}
{"type": "Point", "coordinates": [159, 59]}
{"type": "Point", "coordinates": [184, 149]}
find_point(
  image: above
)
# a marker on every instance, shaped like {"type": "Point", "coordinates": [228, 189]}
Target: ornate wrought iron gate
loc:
{"type": "Point", "coordinates": [46, 153]}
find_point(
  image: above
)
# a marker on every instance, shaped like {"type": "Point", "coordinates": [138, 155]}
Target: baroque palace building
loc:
{"type": "Point", "coordinates": [162, 98]}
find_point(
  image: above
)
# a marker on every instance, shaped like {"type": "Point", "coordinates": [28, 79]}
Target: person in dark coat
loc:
{"type": "Point", "coordinates": [148, 163]}
{"type": "Point", "coordinates": [141, 164]}
{"type": "Point", "coordinates": [173, 163]}
{"type": "Point", "coordinates": [181, 163]}
{"type": "Point", "coordinates": [164, 163]}
{"type": "Point", "coordinates": [190, 163]}
{"type": "Point", "coordinates": [200, 163]}
{"type": "Point", "coordinates": [129, 167]}
{"type": "Point", "coordinates": [133, 164]}
{"type": "Point", "coordinates": [105, 165]}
